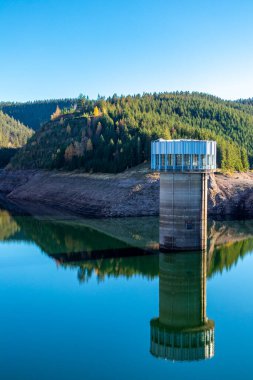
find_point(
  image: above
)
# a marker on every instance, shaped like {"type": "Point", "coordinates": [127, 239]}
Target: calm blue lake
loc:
{"type": "Point", "coordinates": [78, 299]}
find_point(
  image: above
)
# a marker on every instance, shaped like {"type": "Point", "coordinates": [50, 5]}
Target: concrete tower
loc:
{"type": "Point", "coordinates": [183, 166]}
{"type": "Point", "coordinates": [182, 332]}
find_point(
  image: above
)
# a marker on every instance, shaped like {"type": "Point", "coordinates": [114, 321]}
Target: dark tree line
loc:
{"type": "Point", "coordinates": [34, 114]}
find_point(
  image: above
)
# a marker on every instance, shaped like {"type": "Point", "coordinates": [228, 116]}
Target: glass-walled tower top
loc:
{"type": "Point", "coordinates": [183, 155]}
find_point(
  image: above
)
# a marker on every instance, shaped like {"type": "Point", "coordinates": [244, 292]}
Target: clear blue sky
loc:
{"type": "Point", "coordinates": [55, 49]}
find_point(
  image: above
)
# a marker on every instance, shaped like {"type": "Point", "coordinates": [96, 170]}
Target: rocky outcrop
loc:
{"type": "Point", "coordinates": [132, 193]}
{"type": "Point", "coordinates": [231, 195]}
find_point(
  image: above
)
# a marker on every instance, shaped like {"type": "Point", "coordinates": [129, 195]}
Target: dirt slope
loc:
{"type": "Point", "coordinates": [132, 193]}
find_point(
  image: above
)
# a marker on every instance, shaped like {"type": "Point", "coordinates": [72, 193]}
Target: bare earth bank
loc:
{"type": "Point", "coordinates": [132, 193]}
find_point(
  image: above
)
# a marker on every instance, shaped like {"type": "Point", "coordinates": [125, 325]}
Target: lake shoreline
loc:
{"type": "Point", "coordinates": [134, 192]}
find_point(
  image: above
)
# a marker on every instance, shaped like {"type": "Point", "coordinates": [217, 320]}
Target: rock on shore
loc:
{"type": "Point", "coordinates": [132, 193]}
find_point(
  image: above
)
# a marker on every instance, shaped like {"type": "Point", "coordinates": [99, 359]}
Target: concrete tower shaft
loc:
{"type": "Point", "coordinates": [184, 166]}
{"type": "Point", "coordinates": [183, 211]}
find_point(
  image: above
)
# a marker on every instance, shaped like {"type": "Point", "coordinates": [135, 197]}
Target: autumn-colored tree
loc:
{"type": "Point", "coordinates": [96, 111]}
{"type": "Point", "coordinates": [166, 134]}
{"type": "Point", "coordinates": [56, 114]}
{"type": "Point", "coordinates": [69, 153]}
{"type": "Point", "coordinates": [74, 149]}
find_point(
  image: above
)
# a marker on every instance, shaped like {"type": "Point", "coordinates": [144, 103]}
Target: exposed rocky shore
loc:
{"type": "Point", "coordinates": [132, 193]}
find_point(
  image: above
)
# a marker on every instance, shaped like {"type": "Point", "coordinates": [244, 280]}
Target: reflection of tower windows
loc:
{"type": "Point", "coordinates": [182, 332]}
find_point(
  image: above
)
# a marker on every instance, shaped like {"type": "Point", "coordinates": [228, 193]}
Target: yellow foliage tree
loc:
{"type": "Point", "coordinates": [96, 111]}
{"type": "Point", "coordinates": [56, 113]}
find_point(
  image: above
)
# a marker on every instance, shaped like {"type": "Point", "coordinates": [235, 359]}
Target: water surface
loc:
{"type": "Point", "coordinates": [79, 300]}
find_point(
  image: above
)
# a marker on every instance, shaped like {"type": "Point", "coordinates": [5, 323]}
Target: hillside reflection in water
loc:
{"type": "Point", "coordinates": [104, 254]}
{"type": "Point", "coordinates": [89, 244]}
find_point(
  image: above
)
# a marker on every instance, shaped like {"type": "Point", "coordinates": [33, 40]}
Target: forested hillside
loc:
{"type": "Point", "coordinates": [34, 114]}
{"type": "Point", "coordinates": [109, 135]}
{"type": "Point", "coordinates": [245, 101]}
{"type": "Point", "coordinates": [13, 134]}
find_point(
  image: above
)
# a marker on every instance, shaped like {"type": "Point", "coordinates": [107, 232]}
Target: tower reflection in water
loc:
{"type": "Point", "coordinates": [182, 332]}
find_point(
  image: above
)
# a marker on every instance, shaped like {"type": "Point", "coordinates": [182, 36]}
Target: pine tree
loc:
{"type": "Point", "coordinates": [244, 158]}
{"type": "Point", "coordinates": [68, 129]}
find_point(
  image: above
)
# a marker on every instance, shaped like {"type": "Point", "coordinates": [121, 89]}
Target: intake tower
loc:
{"type": "Point", "coordinates": [183, 166]}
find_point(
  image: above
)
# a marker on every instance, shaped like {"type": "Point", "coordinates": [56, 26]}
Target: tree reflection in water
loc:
{"type": "Point", "coordinates": [119, 248]}
{"type": "Point", "coordinates": [114, 248]}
